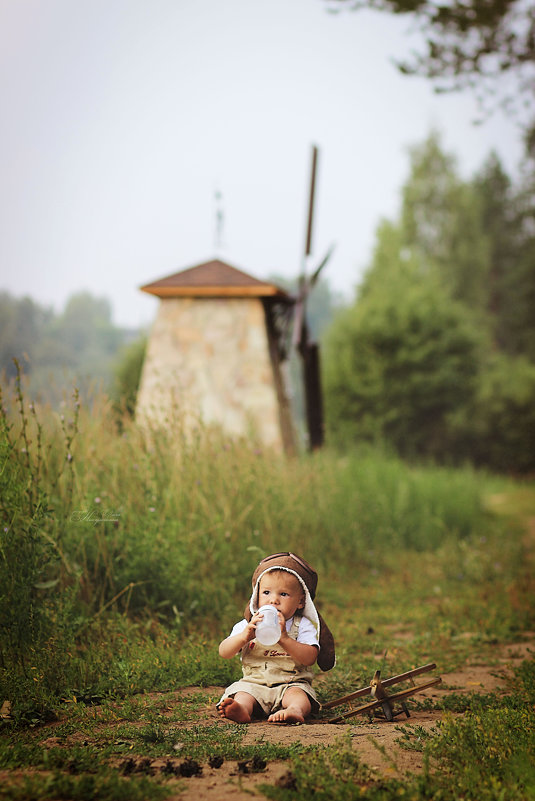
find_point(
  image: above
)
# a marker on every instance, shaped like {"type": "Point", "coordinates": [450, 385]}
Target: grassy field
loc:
{"type": "Point", "coordinates": [125, 558]}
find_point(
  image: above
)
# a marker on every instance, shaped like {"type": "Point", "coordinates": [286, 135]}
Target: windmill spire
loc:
{"type": "Point", "coordinates": [219, 219]}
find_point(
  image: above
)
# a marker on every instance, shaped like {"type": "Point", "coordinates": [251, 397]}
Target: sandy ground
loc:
{"type": "Point", "coordinates": [230, 780]}
{"type": "Point", "coordinates": [377, 742]}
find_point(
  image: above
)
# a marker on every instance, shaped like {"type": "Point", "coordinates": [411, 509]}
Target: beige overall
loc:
{"type": "Point", "coordinates": [268, 671]}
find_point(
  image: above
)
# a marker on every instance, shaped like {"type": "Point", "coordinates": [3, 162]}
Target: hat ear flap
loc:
{"type": "Point", "coordinates": [326, 656]}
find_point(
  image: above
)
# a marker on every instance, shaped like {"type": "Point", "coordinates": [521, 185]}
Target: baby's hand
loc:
{"type": "Point", "coordinates": [251, 626]}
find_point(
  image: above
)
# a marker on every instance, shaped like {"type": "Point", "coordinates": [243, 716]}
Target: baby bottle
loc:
{"type": "Point", "coordinates": [268, 631]}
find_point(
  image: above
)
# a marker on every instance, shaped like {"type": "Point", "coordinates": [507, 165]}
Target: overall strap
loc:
{"type": "Point", "coordinates": [294, 628]}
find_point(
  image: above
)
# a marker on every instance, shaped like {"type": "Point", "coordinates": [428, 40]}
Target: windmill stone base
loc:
{"type": "Point", "coordinates": [212, 360]}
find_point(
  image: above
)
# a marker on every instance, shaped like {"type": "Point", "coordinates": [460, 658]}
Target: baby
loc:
{"type": "Point", "coordinates": [277, 680]}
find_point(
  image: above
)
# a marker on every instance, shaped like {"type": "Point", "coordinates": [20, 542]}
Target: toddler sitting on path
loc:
{"type": "Point", "coordinates": [277, 680]}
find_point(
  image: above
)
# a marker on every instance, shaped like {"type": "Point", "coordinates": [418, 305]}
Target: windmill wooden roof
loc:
{"type": "Point", "coordinates": [213, 279]}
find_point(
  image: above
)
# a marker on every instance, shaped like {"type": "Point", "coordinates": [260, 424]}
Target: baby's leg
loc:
{"type": "Point", "coordinates": [296, 707]}
{"type": "Point", "coordinates": [239, 708]}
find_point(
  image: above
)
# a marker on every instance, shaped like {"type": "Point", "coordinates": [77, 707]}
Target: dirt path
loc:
{"type": "Point", "coordinates": [377, 743]}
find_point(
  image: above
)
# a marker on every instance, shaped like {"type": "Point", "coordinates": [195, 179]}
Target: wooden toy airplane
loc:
{"type": "Point", "coordinates": [383, 700]}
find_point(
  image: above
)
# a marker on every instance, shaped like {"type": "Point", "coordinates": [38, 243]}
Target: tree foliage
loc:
{"type": "Point", "coordinates": [508, 218]}
{"type": "Point", "coordinates": [442, 222]}
{"type": "Point", "coordinates": [80, 344]}
{"type": "Point", "coordinates": [469, 43]}
{"type": "Point", "coordinates": [436, 357]}
{"type": "Point", "coordinates": [22, 323]}
{"type": "Point", "coordinates": [497, 426]}
{"type": "Point", "coordinates": [399, 364]}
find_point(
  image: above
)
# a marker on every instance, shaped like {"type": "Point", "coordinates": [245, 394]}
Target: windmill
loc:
{"type": "Point", "coordinates": [301, 341]}
{"type": "Point", "coordinates": [220, 341]}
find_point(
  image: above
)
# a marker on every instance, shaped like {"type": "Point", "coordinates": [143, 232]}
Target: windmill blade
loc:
{"type": "Point", "coordinates": [313, 169]}
{"type": "Point", "coordinates": [299, 332]}
{"type": "Point", "coordinates": [306, 284]}
{"type": "Point", "coordinates": [315, 275]}
{"type": "Point", "coordinates": [309, 351]}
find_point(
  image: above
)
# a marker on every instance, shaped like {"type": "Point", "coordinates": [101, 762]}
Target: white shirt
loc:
{"type": "Point", "coordinates": [306, 633]}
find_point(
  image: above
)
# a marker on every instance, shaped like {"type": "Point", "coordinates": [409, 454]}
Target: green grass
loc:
{"type": "Point", "coordinates": [486, 757]}
{"type": "Point", "coordinates": [131, 555]}
{"type": "Point", "coordinates": [105, 785]}
{"type": "Point", "coordinates": [484, 752]}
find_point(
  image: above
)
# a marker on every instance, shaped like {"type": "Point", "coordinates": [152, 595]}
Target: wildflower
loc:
{"type": "Point", "coordinates": [69, 457]}
{"type": "Point", "coordinates": [152, 509]}
{"type": "Point", "coordinates": [97, 499]}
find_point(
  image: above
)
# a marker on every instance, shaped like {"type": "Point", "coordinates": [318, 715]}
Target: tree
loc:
{"type": "Point", "coordinates": [521, 286]}
{"type": "Point", "coordinates": [433, 356]}
{"type": "Point", "coordinates": [497, 427]}
{"type": "Point", "coordinates": [77, 346]}
{"type": "Point", "coordinates": [86, 325]}
{"type": "Point", "coordinates": [469, 43]}
{"type": "Point", "coordinates": [441, 219]}
{"type": "Point", "coordinates": [22, 327]}
{"type": "Point", "coordinates": [399, 363]}
{"type": "Point", "coordinates": [440, 229]}
{"type": "Point", "coordinates": [509, 225]}
{"type": "Point", "coordinates": [500, 223]}
{"type": "Point", "coordinates": [128, 375]}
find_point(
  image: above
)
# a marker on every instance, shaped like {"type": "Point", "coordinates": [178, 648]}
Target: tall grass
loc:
{"type": "Point", "coordinates": [101, 519]}
{"type": "Point", "coordinates": [163, 522]}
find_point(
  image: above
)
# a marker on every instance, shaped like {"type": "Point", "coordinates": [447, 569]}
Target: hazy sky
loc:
{"type": "Point", "coordinates": [122, 118]}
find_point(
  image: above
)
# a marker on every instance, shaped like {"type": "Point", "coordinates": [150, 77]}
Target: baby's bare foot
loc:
{"type": "Point", "coordinates": [232, 710]}
{"type": "Point", "coordinates": [291, 714]}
